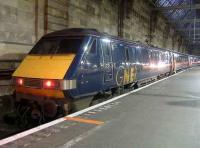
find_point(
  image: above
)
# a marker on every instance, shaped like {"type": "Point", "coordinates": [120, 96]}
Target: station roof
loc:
{"type": "Point", "coordinates": [185, 15]}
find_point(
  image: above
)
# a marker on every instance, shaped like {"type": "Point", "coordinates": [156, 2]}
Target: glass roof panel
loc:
{"type": "Point", "coordinates": [190, 27]}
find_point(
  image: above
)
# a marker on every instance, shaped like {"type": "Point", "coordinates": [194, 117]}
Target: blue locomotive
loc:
{"type": "Point", "coordinates": [67, 68]}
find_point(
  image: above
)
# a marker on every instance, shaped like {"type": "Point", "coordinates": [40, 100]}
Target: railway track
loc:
{"type": "Point", "coordinates": [5, 129]}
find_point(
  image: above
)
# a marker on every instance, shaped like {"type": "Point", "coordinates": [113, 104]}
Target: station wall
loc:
{"type": "Point", "coordinates": [23, 22]}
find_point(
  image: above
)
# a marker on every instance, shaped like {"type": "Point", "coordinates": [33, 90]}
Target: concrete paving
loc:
{"type": "Point", "coordinates": [164, 115]}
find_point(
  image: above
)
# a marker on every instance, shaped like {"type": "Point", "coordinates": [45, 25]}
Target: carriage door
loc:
{"type": "Point", "coordinates": [127, 71]}
{"type": "Point", "coordinates": [173, 62]}
{"type": "Point", "coordinates": [107, 60]}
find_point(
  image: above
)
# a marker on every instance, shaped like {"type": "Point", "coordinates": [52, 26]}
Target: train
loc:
{"type": "Point", "coordinates": [68, 69]}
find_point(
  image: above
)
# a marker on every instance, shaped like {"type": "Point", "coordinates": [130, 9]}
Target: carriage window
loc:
{"type": "Point", "coordinates": [134, 54]}
{"type": "Point", "coordinates": [57, 46]}
{"type": "Point", "coordinates": [116, 51]}
{"type": "Point", "coordinates": [163, 56]}
{"type": "Point", "coordinates": [127, 54]}
{"type": "Point", "coordinates": [154, 56]}
{"type": "Point", "coordinates": [139, 55]}
{"type": "Point", "coordinates": [145, 55]}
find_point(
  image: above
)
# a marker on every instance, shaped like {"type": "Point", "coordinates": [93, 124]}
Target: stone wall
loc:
{"type": "Point", "coordinates": [17, 27]}
{"type": "Point", "coordinates": [23, 22]}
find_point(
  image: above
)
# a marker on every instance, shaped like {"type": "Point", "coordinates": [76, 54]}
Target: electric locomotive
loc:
{"type": "Point", "coordinates": [67, 68]}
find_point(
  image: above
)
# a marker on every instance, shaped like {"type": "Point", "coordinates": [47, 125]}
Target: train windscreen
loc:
{"type": "Point", "coordinates": [57, 46]}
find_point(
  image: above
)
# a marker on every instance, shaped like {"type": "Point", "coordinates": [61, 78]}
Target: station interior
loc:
{"type": "Point", "coordinates": [99, 73]}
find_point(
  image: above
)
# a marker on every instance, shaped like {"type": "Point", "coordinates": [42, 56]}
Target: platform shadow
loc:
{"type": "Point", "coordinates": [162, 96]}
{"type": "Point", "coordinates": [186, 103]}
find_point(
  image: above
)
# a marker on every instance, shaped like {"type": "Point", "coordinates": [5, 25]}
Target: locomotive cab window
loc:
{"type": "Point", "coordinates": [93, 47]}
{"type": "Point", "coordinates": [57, 46]}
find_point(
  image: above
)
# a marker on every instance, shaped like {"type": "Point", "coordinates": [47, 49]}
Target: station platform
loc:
{"type": "Point", "coordinates": [165, 114]}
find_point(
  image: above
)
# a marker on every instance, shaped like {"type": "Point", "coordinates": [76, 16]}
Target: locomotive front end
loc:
{"type": "Point", "coordinates": [42, 78]}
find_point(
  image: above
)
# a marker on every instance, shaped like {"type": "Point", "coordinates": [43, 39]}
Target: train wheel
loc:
{"type": "Point", "coordinates": [132, 86]}
{"type": "Point", "coordinates": [99, 98]}
{"type": "Point", "coordinates": [23, 113]}
{"type": "Point", "coordinates": [67, 108]}
{"type": "Point", "coordinates": [95, 101]}
{"type": "Point", "coordinates": [49, 109]}
{"type": "Point", "coordinates": [115, 91]}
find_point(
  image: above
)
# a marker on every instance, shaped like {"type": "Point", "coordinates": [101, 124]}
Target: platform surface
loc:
{"type": "Point", "coordinates": [164, 115]}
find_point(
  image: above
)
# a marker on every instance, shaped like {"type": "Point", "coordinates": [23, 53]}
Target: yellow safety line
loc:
{"type": "Point", "coordinates": [84, 120]}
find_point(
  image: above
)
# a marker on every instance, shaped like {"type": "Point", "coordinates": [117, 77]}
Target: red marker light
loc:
{"type": "Point", "coordinates": [50, 84]}
{"type": "Point", "coordinates": [19, 81]}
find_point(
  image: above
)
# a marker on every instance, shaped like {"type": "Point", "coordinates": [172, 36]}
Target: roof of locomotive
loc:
{"type": "Point", "coordinates": [85, 32]}
{"type": "Point", "coordinates": [90, 32]}
{"type": "Point", "coordinates": [95, 32]}
{"type": "Point", "coordinates": [74, 32]}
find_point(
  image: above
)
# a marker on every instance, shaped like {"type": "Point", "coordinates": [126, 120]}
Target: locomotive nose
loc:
{"type": "Point", "coordinates": [44, 67]}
